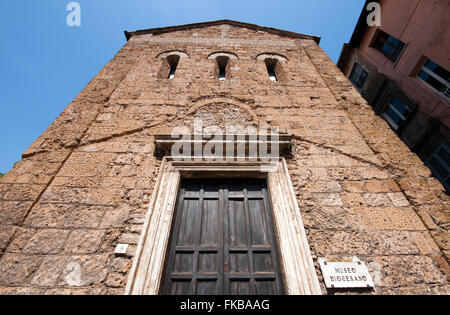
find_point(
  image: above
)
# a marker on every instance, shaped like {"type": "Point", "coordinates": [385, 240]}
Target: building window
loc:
{"type": "Point", "coordinates": [222, 63]}
{"type": "Point", "coordinates": [436, 77]}
{"type": "Point", "coordinates": [271, 65]}
{"type": "Point", "coordinates": [439, 163]}
{"type": "Point", "coordinates": [396, 113]}
{"type": "Point", "coordinates": [170, 61]}
{"type": "Point", "coordinates": [173, 61]}
{"type": "Point", "coordinates": [358, 76]}
{"type": "Point", "coordinates": [274, 65]}
{"type": "Point", "coordinates": [389, 46]}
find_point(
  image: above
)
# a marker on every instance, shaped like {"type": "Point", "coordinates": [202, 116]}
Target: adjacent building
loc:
{"type": "Point", "coordinates": [102, 203]}
{"type": "Point", "coordinates": [402, 69]}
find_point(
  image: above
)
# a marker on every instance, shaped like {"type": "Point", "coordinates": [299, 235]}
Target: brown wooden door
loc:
{"type": "Point", "coordinates": [223, 241]}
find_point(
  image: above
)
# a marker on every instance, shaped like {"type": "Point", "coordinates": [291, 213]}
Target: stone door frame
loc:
{"type": "Point", "coordinates": [299, 275]}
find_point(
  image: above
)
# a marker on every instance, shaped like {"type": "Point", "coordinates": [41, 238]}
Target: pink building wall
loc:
{"type": "Point", "coordinates": [424, 26]}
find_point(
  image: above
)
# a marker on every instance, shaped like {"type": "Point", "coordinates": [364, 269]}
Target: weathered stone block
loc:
{"type": "Point", "coordinates": [132, 239]}
{"type": "Point", "coordinates": [115, 280]}
{"type": "Point", "coordinates": [84, 271]}
{"type": "Point", "coordinates": [20, 291]}
{"type": "Point", "coordinates": [6, 234]}
{"type": "Point", "coordinates": [18, 269]}
{"type": "Point", "coordinates": [398, 199]}
{"type": "Point", "coordinates": [13, 212]}
{"type": "Point", "coordinates": [377, 200]}
{"type": "Point", "coordinates": [49, 271]}
{"type": "Point", "coordinates": [115, 218]}
{"type": "Point", "coordinates": [83, 242]}
{"type": "Point", "coordinates": [46, 242]}
{"type": "Point", "coordinates": [442, 238]}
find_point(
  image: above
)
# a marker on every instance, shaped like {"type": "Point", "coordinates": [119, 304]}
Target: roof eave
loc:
{"type": "Point", "coordinates": [168, 29]}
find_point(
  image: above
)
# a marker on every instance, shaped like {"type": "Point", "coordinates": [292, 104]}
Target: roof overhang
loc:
{"type": "Point", "coordinates": [156, 31]}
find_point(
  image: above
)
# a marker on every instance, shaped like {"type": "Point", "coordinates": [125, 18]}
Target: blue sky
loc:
{"type": "Point", "coordinates": [44, 63]}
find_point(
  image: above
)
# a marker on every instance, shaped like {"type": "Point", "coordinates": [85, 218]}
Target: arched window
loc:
{"type": "Point", "coordinates": [271, 65]}
{"type": "Point", "coordinates": [173, 61]}
{"type": "Point", "coordinates": [170, 63]}
{"type": "Point", "coordinates": [222, 63]}
{"type": "Point", "coordinates": [274, 65]}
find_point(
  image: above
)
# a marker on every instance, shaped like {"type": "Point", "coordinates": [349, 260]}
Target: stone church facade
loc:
{"type": "Point", "coordinates": [97, 204]}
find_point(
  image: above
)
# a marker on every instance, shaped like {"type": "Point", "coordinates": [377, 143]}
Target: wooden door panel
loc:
{"type": "Point", "coordinates": [239, 262]}
{"type": "Point", "coordinates": [210, 223]}
{"type": "Point", "coordinates": [263, 262]}
{"type": "Point", "coordinates": [184, 262]}
{"type": "Point", "coordinates": [207, 287]}
{"type": "Point", "coordinates": [258, 224]}
{"type": "Point", "coordinates": [237, 229]}
{"type": "Point", "coordinates": [186, 235]}
{"type": "Point", "coordinates": [266, 287]}
{"type": "Point", "coordinates": [180, 287]}
{"type": "Point", "coordinates": [241, 287]}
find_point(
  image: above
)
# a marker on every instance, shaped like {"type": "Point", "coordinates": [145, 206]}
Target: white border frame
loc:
{"type": "Point", "coordinates": [298, 270]}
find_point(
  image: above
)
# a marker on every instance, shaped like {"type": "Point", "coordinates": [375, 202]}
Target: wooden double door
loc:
{"type": "Point", "coordinates": [223, 241]}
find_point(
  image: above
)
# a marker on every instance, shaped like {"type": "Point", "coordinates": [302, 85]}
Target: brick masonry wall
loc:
{"type": "Point", "coordinates": [84, 185]}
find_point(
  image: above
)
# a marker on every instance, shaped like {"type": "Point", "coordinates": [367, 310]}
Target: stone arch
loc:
{"type": "Point", "coordinates": [170, 63]}
{"type": "Point", "coordinates": [274, 67]}
{"type": "Point", "coordinates": [224, 112]}
{"type": "Point", "coordinates": [276, 56]}
{"type": "Point", "coordinates": [223, 64]}
{"type": "Point", "coordinates": [230, 55]}
{"type": "Point", "coordinates": [181, 54]}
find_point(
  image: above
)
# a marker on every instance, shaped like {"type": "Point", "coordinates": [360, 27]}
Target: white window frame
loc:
{"type": "Point", "coordinates": [351, 72]}
{"type": "Point", "coordinates": [437, 77]}
{"type": "Point", "coordinates": [389, 119]}
{"type": "Point", "coordinates": [375, 38]}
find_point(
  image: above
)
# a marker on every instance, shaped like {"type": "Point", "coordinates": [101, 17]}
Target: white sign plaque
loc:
{"type": "Point", "coordinates": [121, 249]}
{"type": "Point", "coordinates": [345, 274]}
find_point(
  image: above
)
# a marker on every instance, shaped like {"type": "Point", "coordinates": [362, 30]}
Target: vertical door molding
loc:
{"type": "Point", "coordinates": [298, 267]}
{"type": "Point", "coordinates": [146, 272]}
{"type": "Point", "coordinates": [145, 277]}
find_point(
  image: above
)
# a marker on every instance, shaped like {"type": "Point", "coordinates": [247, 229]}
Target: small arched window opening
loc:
{"type": "Point", "coordinates": [170, 62]}
{"type": "Point", "coordinates": [173, 61]}
{"type": "Point", "coordinates": [274, 65]}
{"type": "Point", "coordinates": [271, 65]}
{"type": "Point", "coordinates": [222, 64]}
